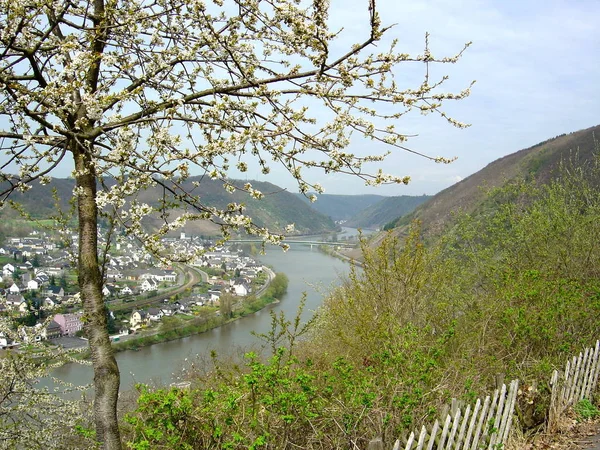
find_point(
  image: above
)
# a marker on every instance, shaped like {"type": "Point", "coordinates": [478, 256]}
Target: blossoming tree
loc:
{"type": "Point", "coordinates": [147, 92]}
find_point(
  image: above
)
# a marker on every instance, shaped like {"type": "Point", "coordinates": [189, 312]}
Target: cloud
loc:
{"type": "Point", "coordinates": [536, 74]}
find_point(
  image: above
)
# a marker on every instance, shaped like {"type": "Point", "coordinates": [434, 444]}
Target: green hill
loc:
{"type": "Point", "coordinates": [277, 209]}
{"type": "Point", "coordinates": [342, 207]}
{"type": "Point", "coordinates": [386, 210]}
{"type": "Point", "coordinates": [539, 162]}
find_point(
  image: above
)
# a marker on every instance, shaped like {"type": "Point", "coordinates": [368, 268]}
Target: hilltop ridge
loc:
{"type": "Point", "coordinates": [539, 162]}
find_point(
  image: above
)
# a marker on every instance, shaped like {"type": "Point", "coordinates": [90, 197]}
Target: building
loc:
{"type": "Point", "coordinates": [69, 323]}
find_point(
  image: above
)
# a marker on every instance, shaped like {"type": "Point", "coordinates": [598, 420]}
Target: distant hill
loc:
{"type": "Point", "coordinates": [342, 207]}
{"type": "Point", "coordinates": [276, 210]}
{"type": "Point", "coordinates": [539, 162]}
{"type": "Point", "coordinates": [386, 210]}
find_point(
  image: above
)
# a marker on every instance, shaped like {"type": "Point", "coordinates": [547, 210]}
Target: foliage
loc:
{"type": "Point", "coordinates": [33, 417]}
{"type": "Point", "coordinates": [278, 286]}
{"type": "Point", "coordinates": [140, 94]}
{"type": "Point", "coordinates": [514, 289]}
{"type": "Point", "coordinates": [226, 303]}
{"type": "Point", "coordinates": [285, 401]}
{"type": "Point", "coordinates": [586, 410]}
{"type": "Point", "coordinates": [534, 266]}
{"type": "Point", "coordinates": [394, 287]}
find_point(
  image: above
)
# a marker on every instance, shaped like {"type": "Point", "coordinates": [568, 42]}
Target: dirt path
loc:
{"type": "Point", "coordinates": [590, 438]}
{"type": "Point", "coordinates": [580, 436]}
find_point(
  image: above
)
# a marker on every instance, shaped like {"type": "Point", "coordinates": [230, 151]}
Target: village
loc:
{"type": "Point", "coordinates": [38, 286]}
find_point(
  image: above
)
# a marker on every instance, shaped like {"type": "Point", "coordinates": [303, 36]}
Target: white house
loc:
{"type": "Point", "coordinates": [14, 289]}
{"type": "Point", "coordinates": [168, 310]}
{"type": "Point", "coordinates": [241, 287]}
{"type": "Point", "coordinates": [33, 285]}
{"type": "Point", "coordinates": [149, 284]}
{"type": "Point", "coordinates": [155, 314]}
{"type": "Point", "coordinates": [23, 307]}
{"type": "Point", "coordinates": [49, 303]}
{"type": "Point", "coordinates": [6, 342]}
{"type": "Point", "coordinates": [8, 270]}
{"type": "Point", "coordinates": [170, 276]}
{"type": "Point", "coordinates": [125, 291]}
{"type": "Point", "coordinates": [14, 299]}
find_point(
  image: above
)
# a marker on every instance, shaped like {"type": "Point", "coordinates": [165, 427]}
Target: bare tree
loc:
{"type": "Point", "coordinates": [147, 92]}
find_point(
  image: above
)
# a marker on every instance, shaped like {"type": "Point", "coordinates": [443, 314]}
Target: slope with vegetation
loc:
{"type": "Point", "coordinates": [277, 208]}
{"type": "Point", "coordinates": [342, 207]}
{"type": "Point", "coordinates": [513, 290]}
{"type": "Point", "coordinates": [386, 210]}
{"type": "Point", "coordinates": [539, 162]}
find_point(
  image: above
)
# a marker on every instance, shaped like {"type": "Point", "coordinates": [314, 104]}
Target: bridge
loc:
{"type": "Point", "coordinates": [295, 241]}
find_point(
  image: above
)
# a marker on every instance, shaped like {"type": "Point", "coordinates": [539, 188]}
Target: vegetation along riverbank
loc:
{"type": "Point", "coordinates": [181, 326]}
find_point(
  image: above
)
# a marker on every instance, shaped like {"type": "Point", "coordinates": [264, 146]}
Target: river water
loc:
{"type": "Point", "coordinates": [309, 271]}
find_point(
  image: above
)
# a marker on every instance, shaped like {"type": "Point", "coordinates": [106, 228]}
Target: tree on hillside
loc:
{"type": "Point", "coordinates": [226, 302]}
{"type": "Point", "coordinates": [145, 93]}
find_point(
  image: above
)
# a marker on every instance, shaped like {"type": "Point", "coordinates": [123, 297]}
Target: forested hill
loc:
{"type": "Point", "coordinates": [277, 209]}
{"type": "Point", "coordinates": [342, 207]}
{"type": "Point", "coordinates": [386, 210]}
{"type": "Point", "coordinates": [539, 162]}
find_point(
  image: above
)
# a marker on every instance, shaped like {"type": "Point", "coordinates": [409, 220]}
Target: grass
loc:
{"type": "Point", "coordinates": [586, 410]}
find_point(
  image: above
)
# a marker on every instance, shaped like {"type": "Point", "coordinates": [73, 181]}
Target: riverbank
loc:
{"type": "Point", "coordinates": [311, 275]}
{"type": "Point", "coordinates": [180, 328]}
{"type": "Point", "coordinates": [330, 251]}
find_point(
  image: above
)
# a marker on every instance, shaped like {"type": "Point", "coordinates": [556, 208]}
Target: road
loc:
{"type": "Point", "coordinates": [195, 276]}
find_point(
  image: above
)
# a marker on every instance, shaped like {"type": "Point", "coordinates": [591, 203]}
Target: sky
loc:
{"type": "Point", "coordinates": [536, 66]}
{"type": "Point", "coordinates": [537, 69]}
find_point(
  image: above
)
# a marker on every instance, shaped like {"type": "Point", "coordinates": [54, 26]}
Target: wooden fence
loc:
{"type": "Point", "coordinates": [485, 426]}
{"type": "Point", "coordinates": [577, 382]}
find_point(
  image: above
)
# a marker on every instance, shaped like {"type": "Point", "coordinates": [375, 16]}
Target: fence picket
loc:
{"type": "Point", "coordinates": [580, 392]}
{"type": "Point", "coordinates": [434, 431]}
{"type": "Point", "coordinates": [422, 438]}
{"type": "Point", "coordinates": [499, 410]}
{"type": "Point", "coordinates": [455, 423]}
{"type": "Point", "coordinates": [486, 405]}
{"type": "Point", "coordinates": [472, 425]}
{"type": "Point", "coordinates": [590, 372]}
{"type": "Point", "coordinates": [444, 432]}
{"type": "Point", "coordinates": [564, 392]}
{"type": "Point", "coordinates": [461, 434]}
{"type": "Point", "coordinates": [410, 441]}
{"type": "Point", "coordinates": [596, 369]}
{"type": "Point", "coordinates": [507, 417]}
{"type": "Point", "coordinates": [577, 361]}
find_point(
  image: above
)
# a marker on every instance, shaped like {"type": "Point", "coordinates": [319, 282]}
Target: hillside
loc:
{"type": "Point", "coordinates": [277, 209]}
{"type": "Point", "coordinates": [342, 207]}
{"type": "Point", "coordinates": [539, 162]}
{"type": "Point", "coordinates": [386, 210]}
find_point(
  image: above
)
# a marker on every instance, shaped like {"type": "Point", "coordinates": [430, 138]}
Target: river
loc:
{"type": "Point", "coordinates": [308, 270]}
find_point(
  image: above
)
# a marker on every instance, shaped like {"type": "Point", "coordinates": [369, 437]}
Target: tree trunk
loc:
{"type": "Point", "coordinates": [106, 371]}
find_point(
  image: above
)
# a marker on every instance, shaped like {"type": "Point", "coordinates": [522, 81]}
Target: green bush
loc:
{"type": "Point", "coordinates": [586, 410]}
{"type": "Point", "coordinates": [513, 289]}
